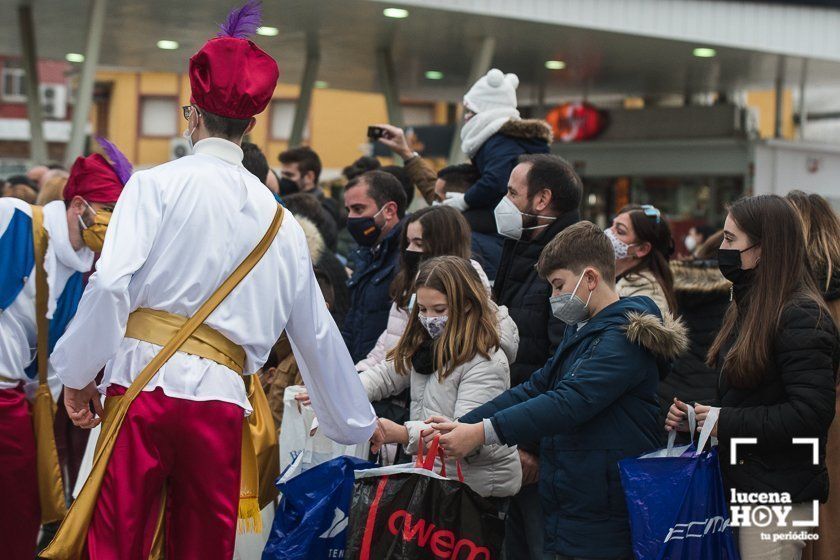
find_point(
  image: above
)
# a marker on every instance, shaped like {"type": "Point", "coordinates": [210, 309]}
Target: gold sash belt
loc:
{"type": "Point", "coordinates": [159, 327]}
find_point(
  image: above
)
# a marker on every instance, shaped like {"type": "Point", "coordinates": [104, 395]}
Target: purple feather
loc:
{"type": "Point", "coordinates": [242, 22]}
{"type": "Point", "coordinates": [120, 164]}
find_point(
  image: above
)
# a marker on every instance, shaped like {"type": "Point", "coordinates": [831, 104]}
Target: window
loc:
{"type": "Point", "coordinates": [14, 82]}
{"type": "Point", "coordinates": [282, 117]}
{"type": "Point", "coordinates": [159, 116]}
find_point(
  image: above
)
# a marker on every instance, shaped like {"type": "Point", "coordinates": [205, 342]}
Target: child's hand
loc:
{"type": "Point", "coordinates": [303, 399]}
{"type": "Point", "coordinates": [429, 434]}
{"type": "Point", "coordinates": [459, 440]}
{"type": "Point", "coordinates": [530, 467]}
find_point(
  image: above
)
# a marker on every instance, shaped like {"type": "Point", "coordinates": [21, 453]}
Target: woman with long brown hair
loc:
{"type": "Point", "coordinates": [454, 354]}
{"type": "Point", "coordinates": [778, 351]}
{"type": "Point", "coordinates": [643, 245]}
{"type": "Point", "coordinates": [821, 228]}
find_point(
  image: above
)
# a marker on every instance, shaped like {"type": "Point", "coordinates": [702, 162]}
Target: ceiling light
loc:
{"type": "Point", "coordinates": [704, 52]}
{"type": "Point", "coordinates": [74, 57]}
{"type": "Point", "coordinates": [555, 64]}
{"type": "Point", "coordinates": [396, 13]}
{"type": "Point", "coordinates": [434, 75]}
{"type": "Point", "coordinates": [167, 45]}
{"type": "Point", "coordinates": [321, 84]}
{"type": "Point", "coordinates": [268, 31]}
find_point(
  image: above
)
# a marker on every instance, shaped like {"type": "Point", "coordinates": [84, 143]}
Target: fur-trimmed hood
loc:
{"type": "Point", "coordinates": [698, 277]}
{"type": "Point", "coordinates": [529, 129]}
{"type": "Point", "coordinates": [666, 338]}
{"type": "Point", "coordinates": [314, 240]}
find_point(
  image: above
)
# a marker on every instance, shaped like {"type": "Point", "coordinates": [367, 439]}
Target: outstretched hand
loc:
{"type": "Point", "coordinates": [77, 402]}
{"type": "Point", "coordinates": [459, 440]}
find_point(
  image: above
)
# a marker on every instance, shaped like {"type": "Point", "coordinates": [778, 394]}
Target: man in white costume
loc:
{"type": "Point", "coordinates": [178, 231]}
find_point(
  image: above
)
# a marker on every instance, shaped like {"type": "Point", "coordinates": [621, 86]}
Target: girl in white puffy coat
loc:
{"type": "Point", "coordinates": [454, 354]}
{"type": "Point", "coordinates": [428, 233]}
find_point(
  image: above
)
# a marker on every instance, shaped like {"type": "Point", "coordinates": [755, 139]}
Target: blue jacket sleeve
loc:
{"type": "Point", "coordinates": [495, 160]}
{"type": "Point", "coordinates": [614, 367]}
{"type": "Point", "coordinates": [536, 385]}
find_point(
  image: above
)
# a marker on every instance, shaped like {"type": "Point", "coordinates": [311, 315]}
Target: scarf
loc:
{"type": "Point", "coordinates": [482, 126]}
{"type": "Point", "coordinates": [61, 260]}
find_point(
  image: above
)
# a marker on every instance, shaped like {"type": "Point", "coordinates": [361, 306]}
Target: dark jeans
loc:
{"type": "Point", "coordinates": [524, 529]}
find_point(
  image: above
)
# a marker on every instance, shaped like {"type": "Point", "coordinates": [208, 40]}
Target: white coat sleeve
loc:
{"type": "Point", "coordinates": [341, 405]}
{"type": "Point", "coordinates": [95, 333]}
{"type": "Point", "coordinates": [382, 381]}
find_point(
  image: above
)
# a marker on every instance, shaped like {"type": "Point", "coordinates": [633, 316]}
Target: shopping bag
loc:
{"type": "Point", "coordinates": [407, 512]}
{"type": "Point", "coordinates": [299, 434]}
{"type": "Point", "coordinates": [311, 522]}
{"type": "Point", "coordinates": [677, 502]}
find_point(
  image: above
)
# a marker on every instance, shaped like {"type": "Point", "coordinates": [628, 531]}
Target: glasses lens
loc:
{"type": "Point", "coordinates": [187, 109]}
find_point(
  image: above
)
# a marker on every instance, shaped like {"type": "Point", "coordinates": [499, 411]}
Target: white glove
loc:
{"type": "Point", "coordinates": [456, 200]}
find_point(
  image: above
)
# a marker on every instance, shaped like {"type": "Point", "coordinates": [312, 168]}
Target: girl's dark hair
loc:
{"type": "Point", "coordinates": [781, 276]}
{"type": "Point", "coordinates": [445, 232]}
{"type": "Point", "coordinates": [656, 231]}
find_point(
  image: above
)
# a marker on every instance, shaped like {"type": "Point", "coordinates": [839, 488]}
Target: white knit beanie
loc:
{"type": "Point", "coordinates": [496, 90]}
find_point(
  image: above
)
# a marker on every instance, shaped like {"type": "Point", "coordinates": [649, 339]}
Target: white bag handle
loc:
{"type": "Point", "coordinates": [708, 426]}
{"type": "Point", "coordinates": [692, 427]}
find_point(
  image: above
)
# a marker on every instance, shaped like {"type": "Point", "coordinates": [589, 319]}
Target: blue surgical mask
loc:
{"type": "Point", "coordinates": [569, 308]}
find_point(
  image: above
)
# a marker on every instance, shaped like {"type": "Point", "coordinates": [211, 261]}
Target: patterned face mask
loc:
{"type": "Point", "coordinates": [433, 325]}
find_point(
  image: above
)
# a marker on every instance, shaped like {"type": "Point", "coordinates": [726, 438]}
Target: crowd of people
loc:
{"type": "Point", "coordinates": [539, 349]}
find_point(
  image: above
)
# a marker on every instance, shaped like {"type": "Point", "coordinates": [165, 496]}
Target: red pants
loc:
{"type": "Point", "coordinates": [194, 450]}
{"type": "Point", "coordinates": [20, 510]}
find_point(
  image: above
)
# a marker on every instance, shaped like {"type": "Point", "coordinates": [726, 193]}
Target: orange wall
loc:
{"type": "Point", "coordinates": [338, 119]}
{"type": "Point", "coordinates": [764, 103]}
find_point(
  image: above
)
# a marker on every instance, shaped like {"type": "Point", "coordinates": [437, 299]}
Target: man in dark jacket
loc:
{"type": "Point", "coordinates": [544, 193]}
{"type": "Point", "coordinates": [376, 206]}
{"type": "Point", "coordinates": [593, 403]}
{"type": "Point", "coordinates": [300, 171]}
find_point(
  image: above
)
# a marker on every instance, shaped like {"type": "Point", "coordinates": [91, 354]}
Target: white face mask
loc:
{"type": "Point", "coordinates": [509, 219]}
{"type": "Point", "coordinates": [620, 247]}
{"type": "Point", "coordinates": [690, 243]}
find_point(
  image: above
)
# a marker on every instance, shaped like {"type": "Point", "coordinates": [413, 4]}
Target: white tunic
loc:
{"type": "Point", "coordinates": [177, 231]}
{"type": "Point", "coordinates": [18, 328]}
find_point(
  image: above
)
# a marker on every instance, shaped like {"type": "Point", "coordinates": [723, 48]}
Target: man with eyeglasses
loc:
{"type": "Point", "coordinates": [69, 232]}
{"type": "Point", "coordinates": [182, 459]}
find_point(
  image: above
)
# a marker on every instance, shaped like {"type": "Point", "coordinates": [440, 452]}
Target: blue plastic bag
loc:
{"type": "Point", "coordinates": [312, 519]}
{"type": "Point", "coordinates": [677, 502]}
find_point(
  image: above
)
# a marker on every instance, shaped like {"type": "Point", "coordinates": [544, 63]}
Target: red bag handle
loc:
{"type": "Point", "coordinates": [427, 460]}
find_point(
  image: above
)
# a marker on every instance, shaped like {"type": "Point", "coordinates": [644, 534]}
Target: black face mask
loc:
{"type": "Point", "coordinates": [413, 259]}
{"type": "Point", "coordinates": [729, 263]}
{"type": "Point", "coordinates": [287, 186]}
{"type": "Point", "coordinates": [365, 230]}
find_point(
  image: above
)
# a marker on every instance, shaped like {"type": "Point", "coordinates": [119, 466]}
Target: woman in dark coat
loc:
{"type": "Point", "coordinates": [778, 351]}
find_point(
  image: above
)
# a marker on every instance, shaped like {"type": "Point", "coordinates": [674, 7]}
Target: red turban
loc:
{"type": "Point", "coordinates": [232, 78]}
{"type": "Point", "coordinates": [93, 179]}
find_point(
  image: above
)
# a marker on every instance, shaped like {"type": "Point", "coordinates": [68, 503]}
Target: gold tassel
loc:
{"type": "Point", "coordinates": [250, 519]}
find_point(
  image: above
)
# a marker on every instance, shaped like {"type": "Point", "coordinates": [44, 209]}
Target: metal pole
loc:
{"type": "Point", "coordinates": [780, 93]}
{"type": "Point", "coordinates": [307, 83]}
{"type": "Point", "coordinates": [388, 83]}
{"type": "Point", "coordinates": [37, 144]}
{"type": "Point", "coordinates": [803, 109]}
{"type": "Point", "coordinates": [84, 96]}
{"type": "Point", "coordinates": [480, 65]}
